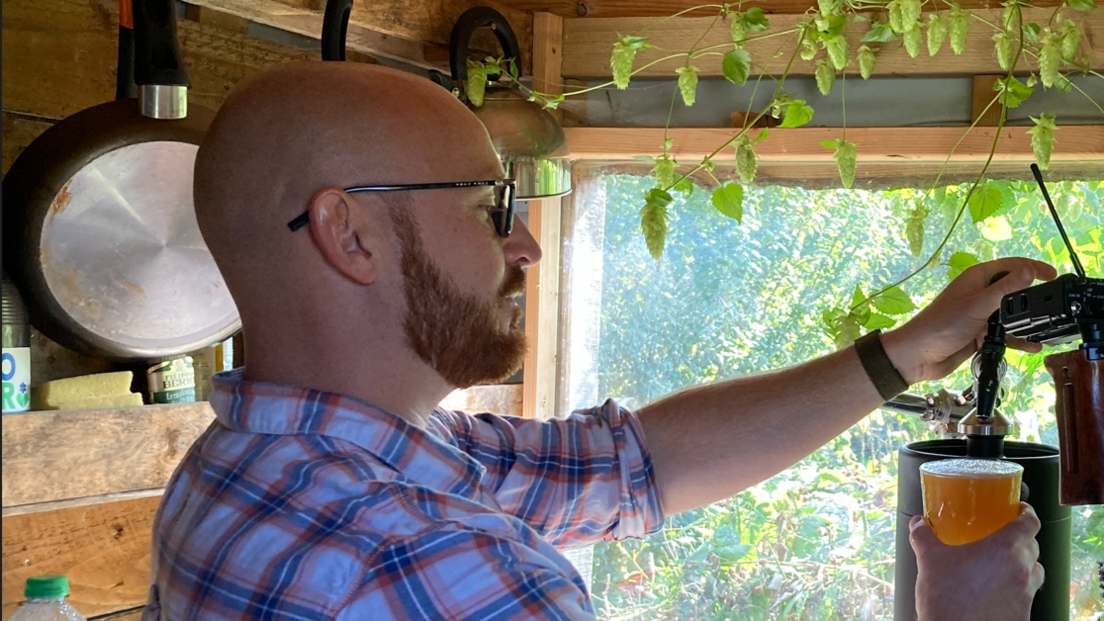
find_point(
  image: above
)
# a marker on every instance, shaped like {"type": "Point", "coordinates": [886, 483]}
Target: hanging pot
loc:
{"type": "Point", "coordinates": [100, 232]}
{"type": "Point", "coordinates": [529, 140]}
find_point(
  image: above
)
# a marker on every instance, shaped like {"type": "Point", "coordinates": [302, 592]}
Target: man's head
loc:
{"type": "Point", "coordinates": [388, 285]}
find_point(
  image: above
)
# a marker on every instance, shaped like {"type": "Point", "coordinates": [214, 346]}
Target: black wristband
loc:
{"type": "Point", "coordinates": [879, 368]}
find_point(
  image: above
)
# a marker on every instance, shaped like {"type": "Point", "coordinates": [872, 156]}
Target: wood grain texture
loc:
{"type": "Point", "coordinates": [59, 56]}
{"type": "Point", "coordinates": [663, 8]}
{"type": "Point", "coordinates": [503, 399]}
{"type": "Point", "coordinates": [104, 550]}
{"type": "Point", "coordinates": [49, 456]}
{"type": "Point", "coordinates": [542, 311]}
{"type": "Point", "coordinates": [18, 132]}
{"type": "Point", "coordinates": [415, 32]}
{"type": "Point", "coordinates": [1083, 143]}
{"type": "Point", "coordinates": [589, 42]}
{"type": "Point", "coordinates": [980, 97]}
{"type": "Point", "coordinates": [548, 56]}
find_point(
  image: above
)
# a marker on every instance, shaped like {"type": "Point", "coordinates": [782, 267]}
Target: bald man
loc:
{"type": "Point", "coordinates": [331, 485]}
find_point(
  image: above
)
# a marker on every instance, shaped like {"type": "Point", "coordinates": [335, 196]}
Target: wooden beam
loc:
{"type": "Point", "coordinates": [981, 111]}
{"type": "Point", "coordinates": [103, 548]}
{"type": "Point", "coordinates": [664, 8]}
{"type": "Point", "coordinates": [415, 32]}
{"type": "Point", "coordinates": [1080, 143]}
{"type": "Point", "coordinates": [59, 56]}
{"type": "Point", "coordinates": [589, 42]}
{"type": "Point", "coordinates": [51, 456]}
{"type": "Point", "coordinates": [542, 286]}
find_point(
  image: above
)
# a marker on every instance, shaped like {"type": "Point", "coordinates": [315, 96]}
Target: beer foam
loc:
{"type": "Point", "coordinates": [970, 468]}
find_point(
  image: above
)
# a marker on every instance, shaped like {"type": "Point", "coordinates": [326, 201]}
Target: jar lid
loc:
{"type": "Point", "coordinates": [46, 587]}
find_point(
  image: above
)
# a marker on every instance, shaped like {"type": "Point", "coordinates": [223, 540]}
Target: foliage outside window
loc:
{"type": "Point", "coordinates": [816, 541]}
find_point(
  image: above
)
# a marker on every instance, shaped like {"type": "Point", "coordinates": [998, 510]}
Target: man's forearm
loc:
{"type": "Point", "coordinates": [710, 442]}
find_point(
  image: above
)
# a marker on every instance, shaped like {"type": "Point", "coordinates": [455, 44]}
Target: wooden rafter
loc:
{"type": "Point", "coordinates": [589, 42]}
{"type": "Point", "coordinates": [662, 8]}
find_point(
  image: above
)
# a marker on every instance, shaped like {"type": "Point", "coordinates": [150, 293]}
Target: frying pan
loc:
{"type": "Point", "coordinates": [100, 233]}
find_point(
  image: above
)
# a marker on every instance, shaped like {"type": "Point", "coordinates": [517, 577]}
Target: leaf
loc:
{"type": "Point", "coordinates": [1005, 48]}
{"type": "Point", "coordinates": [797, 113]}
{"type": "Point", "coordinates": [837, 51]}
{"type": "Point", "coordinates": [685, 186]}
{"type": "Point", "coordinates": [1082, 5]}
{"type": "Point", "coordinates": [937, 32]}
{"type": "Point", "coordinates": [912, 39]}
{"type": "Point", "coordinates": [984, 203]}
{"type": "Point", "coordinates": [959, 262]}
{"type": "Point", "coordinates": [729, 200]}
{"type": "Point", "coordinates": [879, 322]}
{"type": "Point", "coordinates": [688, 84]}
{"type": "Point", "coordinates": [1049, 61]}
{"type": "Point", "coordinates": [754, 20]}
{"type": "Point", "coordinates": [653, 220]}
{"type": "Point", "coordinates": [914, 230]}
{"type": "Point", "coordinates": [846, 330]}
{"type": "Point", "coordinates": [1011, 92]}
{"type": "Point", "coordinates": [858, 298]}
{"type": "Point", "coordinates": [997, 229]}
{"type": "Point", "coordinates": [634, 42]}
{"type": "Point", "coordinates": [1071, 40]}
{"type": "Point", "coordinates": [960, 26]}
{"type": "Point", "coordinates": [880, 32]}
{"type": "Point", "coordinates": [664, 172]}
{"type": "Point", "coordinates": [893, 301]}
{"type": "Point", "coordinates": [476, 84]}
{"type": "Point", "coordinates": [829, 27]}
{"type": "Point", "coordinates": [1031, 32]}
{"type": "Point", "coordinates": [866, 61]}
{"type": "Point", "coordinates": [824, 76]}
{"type": "Point", "coordinates": [845, 160]}
{"type": "Point", "coordinates": [746, 160]}
{"type": "Point", "coordinates": [1042, 138]}
{"type": "Point", "coordinates": [736, 66]}
{"type": "Point", "coordinates": [732, 553]}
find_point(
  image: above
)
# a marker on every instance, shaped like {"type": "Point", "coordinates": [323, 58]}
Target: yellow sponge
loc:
{"type": "Point", "coordinates": [97, 403]}
{"type": "Point", "coordinates": [50, 395]}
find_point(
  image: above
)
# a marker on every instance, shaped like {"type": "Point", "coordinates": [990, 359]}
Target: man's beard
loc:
{"type": "Point", "coordinates": [459, 335]}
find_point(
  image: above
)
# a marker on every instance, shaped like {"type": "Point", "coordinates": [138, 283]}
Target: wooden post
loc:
{"type": "Point", "coordinates": [982, 95]}
{"type": "Point", "coordinates": [542, 287]}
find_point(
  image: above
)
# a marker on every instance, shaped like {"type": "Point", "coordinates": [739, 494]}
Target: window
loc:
{"type": "Point", "coordinates": [816, 541]}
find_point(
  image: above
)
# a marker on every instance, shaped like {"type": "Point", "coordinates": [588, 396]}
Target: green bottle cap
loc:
{"type": "Point", "coordinates": [46, 587]}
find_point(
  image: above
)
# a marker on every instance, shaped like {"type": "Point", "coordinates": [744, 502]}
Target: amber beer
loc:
{"type": "Point", "coordinates": [968, 499]}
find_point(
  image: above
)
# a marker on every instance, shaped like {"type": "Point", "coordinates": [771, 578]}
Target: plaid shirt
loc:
{"type": "Point", "coordinates": [297, 504]}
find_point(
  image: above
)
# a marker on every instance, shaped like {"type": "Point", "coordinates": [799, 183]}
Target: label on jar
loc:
{"type": "Point", "coordinates": [17, 380]}
{"type": "Point", "coordinates": [172, 381]}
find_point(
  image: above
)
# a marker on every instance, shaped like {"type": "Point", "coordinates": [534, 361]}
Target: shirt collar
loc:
{"type": "Point", "coordinates": [417, 454]}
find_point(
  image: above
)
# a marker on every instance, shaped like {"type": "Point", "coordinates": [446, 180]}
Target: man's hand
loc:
{"type": "Point", "coordinates": [950, 329]}
{"type": "Point", "coordinates": [994, 579]}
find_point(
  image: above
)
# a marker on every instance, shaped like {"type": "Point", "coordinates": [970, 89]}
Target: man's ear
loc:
{"type": "Point", "coordinates": [347, 234]}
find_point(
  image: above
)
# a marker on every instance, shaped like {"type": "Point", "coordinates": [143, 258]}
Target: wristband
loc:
{"type": "Point", "coordinates": [879, 368]}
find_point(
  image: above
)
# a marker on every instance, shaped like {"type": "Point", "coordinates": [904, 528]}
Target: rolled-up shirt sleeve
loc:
{"type": "Point", "coordinates": [574, 480]}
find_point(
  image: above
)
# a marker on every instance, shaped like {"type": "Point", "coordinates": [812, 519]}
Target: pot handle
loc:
{"type": "Point", "coordinates": [335, 28]}
{"type": "Point", "coordinates": [124, 73]}
{"type": "Point", "coordinates": [157, 57]}
{"type": "Point", "coordinates": [473, 18]}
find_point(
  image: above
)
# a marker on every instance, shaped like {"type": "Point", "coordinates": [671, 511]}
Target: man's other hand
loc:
{"type": "Point", "coordinates": [994, 579]}
{"type": "Point", "coordinates": [950, 329]}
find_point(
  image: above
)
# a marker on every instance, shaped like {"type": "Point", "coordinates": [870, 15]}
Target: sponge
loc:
{"type": "Point", "coordinates": [99, 403]}
{"type": "Point", "coordinates": [50, 395]}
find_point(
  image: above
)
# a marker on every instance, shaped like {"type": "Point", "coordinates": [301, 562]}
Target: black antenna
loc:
{"type": "Point", "coordinates": [1054, 212]}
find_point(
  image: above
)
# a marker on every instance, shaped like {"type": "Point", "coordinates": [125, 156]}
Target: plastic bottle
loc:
{"type": "Point", "coordinates": [17, 351]}
{"type": "Point", "coordinates": [46, 601]}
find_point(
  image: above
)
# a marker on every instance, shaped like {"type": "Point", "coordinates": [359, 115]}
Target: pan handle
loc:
{"type": "Point", "coordinates": [473, 18]}
{"type": "Point", "coordinates": [335, 29]}
{"type": "Point", "coordinates": [157, 56]}
{"type": "Point", "coordinates": [124, 73]}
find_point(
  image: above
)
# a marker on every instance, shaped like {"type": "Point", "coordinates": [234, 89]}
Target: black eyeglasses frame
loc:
{"type": "Point", "coordinates": [503, 217]}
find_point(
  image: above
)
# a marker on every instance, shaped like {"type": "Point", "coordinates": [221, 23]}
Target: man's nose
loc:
{"type": "Point", "coordinates": [521, 249]}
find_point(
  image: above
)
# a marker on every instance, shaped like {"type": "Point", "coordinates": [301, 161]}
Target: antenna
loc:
{"type": "Point", "coordinates": [1054, 213]}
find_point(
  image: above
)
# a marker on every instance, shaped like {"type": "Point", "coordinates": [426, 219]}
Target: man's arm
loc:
{"type": "Point", "coordinates": [711, 442]}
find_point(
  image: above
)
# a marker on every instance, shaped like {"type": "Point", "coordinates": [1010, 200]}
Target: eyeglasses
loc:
{"type": "Point", "coordinates": [502, 216]}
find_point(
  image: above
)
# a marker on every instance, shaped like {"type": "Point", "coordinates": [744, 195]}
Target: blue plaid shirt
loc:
{"type": "Point", "coordinates": [297, 504]}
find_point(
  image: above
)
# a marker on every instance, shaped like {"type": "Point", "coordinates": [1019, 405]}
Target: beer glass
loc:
{"type": "Point", "coordinates": [968, 499]}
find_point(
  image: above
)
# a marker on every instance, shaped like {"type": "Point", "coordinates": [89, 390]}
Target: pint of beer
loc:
{"type": "Point", "coordinates": [968, 499]}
